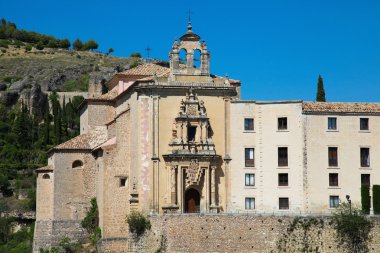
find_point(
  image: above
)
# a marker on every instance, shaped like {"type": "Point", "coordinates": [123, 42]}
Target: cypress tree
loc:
{"type": "Point", "coordinates": [47, 123]}
{"type": "Point", "coordinates": [365, 199]}
{"type": "Point", "coordinates": [376, 198]}
{"type": "Point", "coordinates": [64, 120]}
{"type": "Point", "coordinates": [321, 90]}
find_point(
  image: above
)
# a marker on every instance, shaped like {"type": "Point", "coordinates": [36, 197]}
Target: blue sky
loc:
{"type": "Point", "coordinates": [276, 48]}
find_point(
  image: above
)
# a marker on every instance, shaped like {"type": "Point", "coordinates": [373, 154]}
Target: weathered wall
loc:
{"type": "Point", "coordinates": [237, 233]}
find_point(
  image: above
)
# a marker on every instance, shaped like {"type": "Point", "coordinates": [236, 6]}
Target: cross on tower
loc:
{"type": "Point", "coordinates": [148, 49]}
{"type": "Point", "coordinates": [189, 14]}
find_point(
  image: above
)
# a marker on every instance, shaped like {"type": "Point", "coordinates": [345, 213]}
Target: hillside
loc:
{"type": "Point", "coordinates": [33, 119]}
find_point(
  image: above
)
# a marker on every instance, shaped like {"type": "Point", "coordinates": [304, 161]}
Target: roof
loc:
{"type": "Point", "coordinates": [43, 169]}
{"type": "Point", "coordinates": [87, 141]}
{"type": "Point", "coordinates": [149, 69]}
{"type": "Point", "coordinates": [340, 107]}
{"type": "Point", "coordinates": [109, 96]}
{"type": "Point", "coordinates": [108, 143]}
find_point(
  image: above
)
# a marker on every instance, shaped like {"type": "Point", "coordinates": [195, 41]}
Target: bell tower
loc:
{"type": "Point", "coordinates": [189, 46]}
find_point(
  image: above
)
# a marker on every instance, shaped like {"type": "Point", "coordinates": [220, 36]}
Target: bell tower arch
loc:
{"type": "Point", "coordinates": [191, 65]}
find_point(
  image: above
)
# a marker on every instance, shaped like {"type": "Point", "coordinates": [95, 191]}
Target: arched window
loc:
{"type": "Point", "coordinates": [182, 56]}
{"type": "Point", "coordinates": [77, 164]}
{"type": "Point", "coordinates": [46, 176]}
{"type": "Point", "coordinates": [197, 58]}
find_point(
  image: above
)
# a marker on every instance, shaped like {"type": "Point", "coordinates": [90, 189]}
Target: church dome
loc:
{"type": "Point", "coordinates": [190, 36]}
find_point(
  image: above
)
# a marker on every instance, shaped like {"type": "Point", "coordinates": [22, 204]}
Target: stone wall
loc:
{"type": "Point", "coordinates": [235, 233]}
{"type": "Point", "coordinates": [50, 233]}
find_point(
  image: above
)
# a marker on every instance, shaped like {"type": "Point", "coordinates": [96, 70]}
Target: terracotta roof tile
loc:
{"type": "Point", "coordinates": [46, 168]}
{"type": "Point", "coordinates": [340, 107]}
{"type": "Point", "coordinates": [85, 141]}
{"type": "Point", "coordinates": [109, 96]}
{"type": "Point", "coordinates": [148, 69]}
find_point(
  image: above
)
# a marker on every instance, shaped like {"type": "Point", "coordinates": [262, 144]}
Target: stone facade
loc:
{"type": "Point", "coordinates": [173, 141]}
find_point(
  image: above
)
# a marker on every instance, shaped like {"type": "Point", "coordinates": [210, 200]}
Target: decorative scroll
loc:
{"type": "Point", "coordinates": [193, 173]}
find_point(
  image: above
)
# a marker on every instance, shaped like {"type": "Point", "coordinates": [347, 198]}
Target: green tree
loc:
{"type": "Point", "coordinates": [110, 51]}
{"type": "Point", "coordinates": [90, 45]}
{"type": "Point", "coordinates": [46, 123]}
{"type": "Point", "coordinates": [65, 43]}
{"type": "Point", "coordinates": [40, 45]}
{"type": "Point", "coordinates": [64, 120]}
{"type": "Point", "coordinates": [136, 55]}
{"type": "Point", "coordinates": [78, 45]}
{"type": "Point", "coordinates": [376, 198]}
{"type": "Point", "coordinates": [366, 199]}
{"type": "Point", "coordinates": [321, 97]}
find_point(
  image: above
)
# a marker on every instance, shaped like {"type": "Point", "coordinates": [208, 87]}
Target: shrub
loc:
{"type": "Point", "coordinates": [91, 222]}
{"type": "Point", "coordinates": [90, 45]}
{"type": "Point", "coordinates": [352, 227]}
{"type": "Point", "coordinates": [28, 47]}
{"type": "Point", "coordinates": [366, 200]}
{"type": "Point", "coordinates": [40, 46]}
{"type": "Point", "coordinates": [78, 45]}
{"type": "Point", "coordinates": [136, 55]}
{"type": "Point", "coordinates": [376, 198]}
{"type": "Point", "coordinates": [138, 223]}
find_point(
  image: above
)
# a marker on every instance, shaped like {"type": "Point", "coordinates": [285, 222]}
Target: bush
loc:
{"type": "Point", "coordinates": [91, 223]}
{"type": "Point", "coordinates": [366, 200]}
{"type": "Point", "coordinates": [28, 47]}
{"type": "Point", "coordinates": [90, 45]}
{"type": "Point", "coordinates": [376, 198]}
{"type": "Point", "coordinates": [352, 227]}
{"type": "Point", "coordinates": [78, 45]}
{"type": "Point", "coordinates": [136, 55]}
{"type": "Point", "coordinates": [138, 223]}
{"type": "Point", "coordinates": [40, 45]}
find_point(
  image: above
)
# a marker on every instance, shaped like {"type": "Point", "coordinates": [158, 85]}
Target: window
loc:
{"type": "Point", "coordinates": [366, 179]}
{"type": "Point", "coordinates": [249, 203]}
{"type": "Point", "coordinates": [334, 201]}
{"type": "Point", "coordinates": [333, 179]}
{"type": "Point", "coordinates": [248, 124]}
{"type": "Point", "coordinates": [333, 156]}
{"type": "Point", "coordinates": [283, 156]}
{"type": "Point", "coordinates": [123, 182]}
{"type": "Point", "coordinates": [191, 131]}
{"type": "Point", "coordinates": [331, 123]}
{"type": "Point", "coordinates": [364, 123]}
{"type": "Point", "coordinates": [46, 176]}
{"type": "Point", "coordinates": [283, 203]}
{"type": "Point", "coordinates": [283, 179]}
{"type": "Point", "coordinates": [364, 157]}
{"type": "Point", "coordinates": [282, 123]}
{"type": "Point", "coordinates": [249, 179]}
{"type": "Point", "coordinates": [249, 157]}
{"type": "Point", "coordinates": [77, 164]}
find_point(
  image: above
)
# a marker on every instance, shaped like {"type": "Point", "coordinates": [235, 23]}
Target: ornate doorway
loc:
{"type": "Point", "coordinates": [192, 201]}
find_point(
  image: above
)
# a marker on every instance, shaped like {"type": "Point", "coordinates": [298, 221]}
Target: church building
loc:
{"type": "Point", "coordinates": [180, 140]}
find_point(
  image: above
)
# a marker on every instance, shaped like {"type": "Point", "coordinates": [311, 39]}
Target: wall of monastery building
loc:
{"type": "Point", "coordinates": [348, 138]}
{"type": "Point", "coordinates": [63, 200]}
{"type": "Point", "coordinates": [169, 108]}
{"type": "Point", "coordinates": [73, 187]}
{"type": "Point", "coordinates": [236, 233]}
{"type": "Point", "coordinates": [266, 139]}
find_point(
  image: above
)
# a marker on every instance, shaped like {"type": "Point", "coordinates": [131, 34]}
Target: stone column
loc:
{"type": "Point", "coordinates": [173, 185]}
{"type": "Point", "coordinates": [213, 186]}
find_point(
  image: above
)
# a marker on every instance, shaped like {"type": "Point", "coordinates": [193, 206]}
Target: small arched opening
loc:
{"type": "Point", "coordinates": [45, 176]}
{"type": "Point", "coordinates": [77, 164]}
{"type": "Point", "coordinates": [192, 201]}
{"type": "Point", "coordinates": [197, 58]}
{"type": "Point", "coordinates": [182, 56]}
